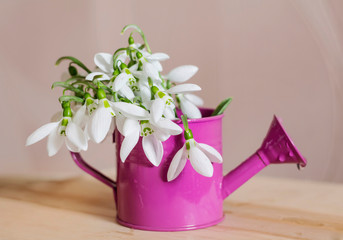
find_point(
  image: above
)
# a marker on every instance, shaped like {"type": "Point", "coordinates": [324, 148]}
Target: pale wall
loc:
{"type": "Point", "coordinates": [272, 57]}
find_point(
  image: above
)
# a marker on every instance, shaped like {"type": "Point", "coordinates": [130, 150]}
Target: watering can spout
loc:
{"type": "Point", "coordinates": [276, 148]}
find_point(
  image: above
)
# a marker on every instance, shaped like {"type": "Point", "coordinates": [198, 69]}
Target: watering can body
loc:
{"type": "Point", "coordinates": [146, 200]}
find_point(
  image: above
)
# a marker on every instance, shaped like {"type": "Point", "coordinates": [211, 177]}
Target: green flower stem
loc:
{"type": "Point", "coordinates": [67, 87]}
{"type": "Point", "coordinates": [103, 86]}
{"type": "Point", "coordinates": [74, 60]}
{"type": "Point", "coordinates": [69, 98]}
{"type": "Point", "coordinates": [74, 78]}
{"type": "Point", "coordinates": [86, 83]}
{"type": "Point", "coordinates": [115, 56]}
{"type": "Point", "coordinates": [221, 107]}
{"type": "Point", "coordinates": [139, 30]}
{"type": "Point", "coordinates": [188, 132]}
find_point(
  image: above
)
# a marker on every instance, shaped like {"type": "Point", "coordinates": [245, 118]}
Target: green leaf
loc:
{"type": "Point", "coordinates": [221, 107]}
{"type": "Point", "coordinates": [74, 60]}
{"type": "Point", "coordinates": [68, 98]}
{"type": "Point", "coordinates": [139, 30]}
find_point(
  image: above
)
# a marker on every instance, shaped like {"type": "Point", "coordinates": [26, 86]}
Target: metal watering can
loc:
{"type": "Point", "coordinates": [146, 200]}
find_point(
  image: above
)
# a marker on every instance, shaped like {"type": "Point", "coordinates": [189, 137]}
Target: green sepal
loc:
{"type": "Point", "coordinates": [67, 98]}
{"type": "Point", "coordinates": [221, 107]}
{"type": "Point", "coordinates": [139, 30]}
{"type": "Point", "coordinates": [74, 60]}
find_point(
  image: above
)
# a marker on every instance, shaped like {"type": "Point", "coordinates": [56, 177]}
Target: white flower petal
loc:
{"type": "Point", "coordinates": [122, 58]}
{"type": "Point", "coordinates": [92, 75]}
{"type": "Point", "coordinates": [211, 153]}
{"type": "Point", "coordinates": [133, 68]}
{"type": "Point", "coordinates": [200, 162]}
{"type": "Point", "coordinates": [169, 113]}
{"type": "Point", "coordinates": [198, 101]}
{"type": "Point", "coordinates": [153, 149]}
{"type": "Point", "coordinates": [80, 117]}
{"type": "Point", "coordinates": [55, 142]}
{"type": "Point", "coordinates": [104, 61]}
{"type": "Point", "coordinates": [151, 71]}
{"type": "Point", "coordinates": [157, 57]}
{"type": "Point", "coordinates": [189, 108]}
{"type": "Point", "coordinates": [99, 124]}
{"type": "Point", "coordinates": [184, 88]}
{"type": "Point", "coordinates": [120, 81]}
{"type": "Point", "coordinates": [145, 93]}
{"type": "Point", "coordinates": [71, 147]}
{"type": "Point", "coordinates": [127, 92]}
{"type": "Point", "coordinates": [169, 126]}
{"type": "Point", "coordinates": [177, 164]}
{"type": "Point", "coordinates": [120, 119]}
{"type": "Point", "coordinates": [41, 133]}
{"type": "Point", "coordinates": [161, 135]}
{"type": "Point", "coordinates": [128, 144]}
{"type": "Point", "coordinates": [157, 109]}
{"type": "Point", "coordinates": [76, 136]}
{"type": "Point", "coordinates": [131, 111]}
{"type": "Point", "coordinates": [129, 126]}
{"type": "Point", "coordinates": [157, 65]}
{"type": "Point", "coordinates": [182, 73]}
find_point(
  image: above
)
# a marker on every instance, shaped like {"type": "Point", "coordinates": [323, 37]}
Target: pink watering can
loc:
{"type": "Point", "coordinates": [146, 200]}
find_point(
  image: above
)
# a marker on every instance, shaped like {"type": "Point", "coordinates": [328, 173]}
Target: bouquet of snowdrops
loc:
{"type": "Point", "coordinates": [127, 91]}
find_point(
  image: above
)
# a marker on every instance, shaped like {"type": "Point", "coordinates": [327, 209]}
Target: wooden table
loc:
{"type": "Point", "coordinates": [83, 208]}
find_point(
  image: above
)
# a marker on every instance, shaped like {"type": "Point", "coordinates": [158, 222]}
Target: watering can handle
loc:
{"type": "Point", "coordinates": [92, 171]}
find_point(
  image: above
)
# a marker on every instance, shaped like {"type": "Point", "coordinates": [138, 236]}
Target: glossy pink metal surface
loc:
{"type": "Point", "coordinates": [146, 200]}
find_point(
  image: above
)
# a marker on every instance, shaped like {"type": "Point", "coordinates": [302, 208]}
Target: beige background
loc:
{"type": "Point", "coordinates": [271, 56]}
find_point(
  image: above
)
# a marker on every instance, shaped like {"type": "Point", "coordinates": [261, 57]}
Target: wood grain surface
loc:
{"type": "Point", "coordinates": [83, 208]}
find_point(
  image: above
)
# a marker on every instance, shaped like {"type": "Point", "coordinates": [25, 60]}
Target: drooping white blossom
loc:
{"type": "Point", "coordinates": [63, 131]}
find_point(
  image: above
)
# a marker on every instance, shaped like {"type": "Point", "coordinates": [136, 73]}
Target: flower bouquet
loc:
{"type": "Point", "coordinates": [127, 91]}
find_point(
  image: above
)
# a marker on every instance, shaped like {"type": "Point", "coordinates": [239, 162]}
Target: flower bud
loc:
{"type": "Point", "coordinates": [131, 41]}
{"type": "Point", "coordinates": [72, 70]}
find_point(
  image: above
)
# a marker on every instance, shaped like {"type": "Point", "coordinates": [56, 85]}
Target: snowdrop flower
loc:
{"type": "Point", "coordinates": [199, 154]}
{"type": "Point", "coordinates": [187, 106]}
{"type": "Point", "coordinates": [104, 61]}
{"type": "Point", "coordinates": [82, 115]}
{"type": "Point", "coordinates": [136, 124]}
{"type": "Point", "coordinates": [188, 102]}
{"type": "Point", "coordinates": [123, 81]}
{"type": "Point", "coordinates": [100, 120]}
{"type": "Point", "coordinates": [63, 131]}
{"type": "Point", "coordinates": [162, 105]}
{"type": "Point", "coordinates": [151, 69]}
